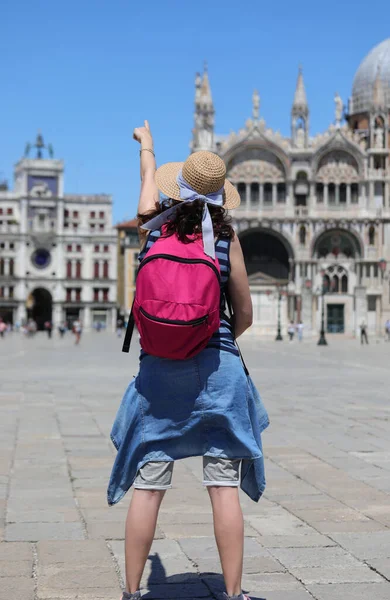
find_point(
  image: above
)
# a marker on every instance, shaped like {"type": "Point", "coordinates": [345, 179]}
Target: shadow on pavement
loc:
{"type": "Point", "coordinates": [183, 586]}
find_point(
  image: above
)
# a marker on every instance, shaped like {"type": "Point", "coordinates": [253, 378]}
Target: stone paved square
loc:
{"type": "Point", "coordinates": [322, 530]}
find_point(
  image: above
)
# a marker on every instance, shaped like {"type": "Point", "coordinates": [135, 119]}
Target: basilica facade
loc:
{"type": "Point", "coordinates": [314, 219]}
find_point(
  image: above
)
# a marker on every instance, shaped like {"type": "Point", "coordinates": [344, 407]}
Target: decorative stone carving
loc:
{"type": "Point", "coordinates": [256, 105]}
{"type": "Point", "coordinates": [256, 170]}
{"type": "Point", "coordinates": [338, 111]}
{"type": "Point", "coordinates": [379, 138]}
{"type": "Point", "coordinates": [338, 167]}
{"type": "Point", "coordinates": [300, 138]}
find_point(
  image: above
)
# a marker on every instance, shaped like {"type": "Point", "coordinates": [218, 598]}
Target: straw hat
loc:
{"type": "Point", "coordinates": [204, 171]}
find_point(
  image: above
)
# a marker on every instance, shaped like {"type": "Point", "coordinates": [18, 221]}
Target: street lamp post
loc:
{"type": "Point", "coordinates": [279, 337]}
{"type": "Point", "coordinates": [322, 341]}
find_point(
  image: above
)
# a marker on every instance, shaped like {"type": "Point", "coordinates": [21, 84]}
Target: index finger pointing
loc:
{"type": "Point", "coordinates": [147, 125]}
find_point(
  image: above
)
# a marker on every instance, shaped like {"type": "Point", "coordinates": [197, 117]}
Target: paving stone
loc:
{"type": "Point", "coordinates": [311, 540]}
{"type": "Point", "coordinates": [72, 576]}
{"type": "Point", "coordinates": [80, 594]}
{"type": "Point", "coordinates": [336, 575]}
{"type": "Point", "coordinates": [180, 530]}
{"type": "Point", "coordinates": [17, 588]}
{"type": "Point", "coordinates": [87, 552]}
{"type": "Point", "coordinates": [44, 531]}
{"type": "Point", "coordinates": [314, 557]}
{"type": "Point", "coordinates": [382, 565]}
{"type": "Point", "coordinates": [352, 591]}
{"type": "Point", "coordinates": [206, 548]}
{"type": "Point", "coordinates": [376, 545]}
{"type": "Point", "coordinates": [15, 568]}
{"type": "Point", "coordinates": [15, 551]}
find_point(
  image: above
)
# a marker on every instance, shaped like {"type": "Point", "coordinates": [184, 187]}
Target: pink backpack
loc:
{"type": "Point", "coordinates": [177, 300]}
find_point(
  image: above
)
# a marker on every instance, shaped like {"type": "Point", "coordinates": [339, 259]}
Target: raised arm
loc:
{"type": "Point", "coordinates": [149, 193]}
{"type": "Point", "coordinates": [239, 289]}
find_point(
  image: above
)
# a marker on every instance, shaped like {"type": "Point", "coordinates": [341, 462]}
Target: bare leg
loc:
{"type": "Point", "coordinates": [229, 534]}
{"type": "Point", "coordinates": [140, 528]}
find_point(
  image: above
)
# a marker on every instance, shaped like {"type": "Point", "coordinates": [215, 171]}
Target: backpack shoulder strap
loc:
{"type": "Point", "coordinates": [129, 331]}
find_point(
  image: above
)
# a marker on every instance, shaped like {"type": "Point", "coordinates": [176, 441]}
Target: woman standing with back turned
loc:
{"type": "Point", "coordinates": [192, 395]}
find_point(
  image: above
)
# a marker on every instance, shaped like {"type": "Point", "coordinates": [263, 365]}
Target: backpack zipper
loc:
{"type": "Point", "coordinates": [192, 323]}
{"type": "Point", "coordinates": [181, 260]}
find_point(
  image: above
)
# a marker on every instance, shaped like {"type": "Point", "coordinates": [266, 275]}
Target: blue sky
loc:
{"type": "Point", "coordinates": [87, 72]}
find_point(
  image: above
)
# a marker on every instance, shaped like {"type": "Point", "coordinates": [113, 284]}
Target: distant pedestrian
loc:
{"type": "Point", "coordinates": [119, 327]}
{"type": "Point", "coordinates": [62, 329]}
{"type": "Point", "coordinates": [49, 328]}
{"type": "Point", "coordinates": [77, 330]}
{"type": "Point", "coordinates": [387, 330]}
{"type": "Point", "coordinates": [291, 331]}
{"type": "Point", "coordinates": [300, 330]}
{"type": "Point", "coordinates": [3, 328]}
{"type": "Point", "coordinates": [363, 333]}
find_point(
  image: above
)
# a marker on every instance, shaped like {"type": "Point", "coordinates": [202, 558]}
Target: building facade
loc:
{"type": "Point", "coordinates": [57, 250]}
{"type": "Point", "coordinates": [314, 219]}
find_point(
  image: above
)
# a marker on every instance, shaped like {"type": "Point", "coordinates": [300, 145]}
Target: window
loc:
{"type": "Point", "coordinates": [335, 284]}
{"type": "Point", "coordinates": [344, 284]}
{"type": "Point", "coordinates": [105, 295]}
{"type": "Point", "coordinates": [101, 226]}
{"type": "Point", "coordinates": [95, 295]}
{"type": "Point", "coordinates": [96, 249]}
{"type": "Point", "coordinates": [10, 211]}
{"type": "Point", "coordinates": [96, 269]}
{"type": "Point", "coordinates": [331, 193]}
{"type": "Point", "coordinates": [241, 188]}
{"type": "Point", "coordinates": [354, 193]}
{"type": "Point", "coordinates": [11, 266]}
{"type": "Point", "coordinates": [281, 192]}
{"type": "Point", "coordinates": [105, 248]}
{"type": "Point", "coordinates": [343, 193]}
{"type": "Point", "coordinates": [255, 195]}
{"type": "Point", "coordinates": [11, 292]}
{"type": "Point", "coordinates": [78, 295]}
{"type": "Point", "coordinates": [320, 193]}
{"type": "Point", "coordinates": [105, 269]}
{"type": "Point", "coordinates": [101, 215]}
{"type": "Point", "coordinates": [371, 236]}
{"type": "Point", "coordinates": [1, 266]}
{"type": "Point", "coordinates": [69, 269]}
{"type": "Point", "coordinates": [1, 211]}
{"type": "Point", "coordinates": [268, 193]}
{"type": "Point", "coordinates": [92, 226]}
{"type": "Point", "coordinates": [75, 226]}
{"type": "Point", "coordinates": [68, 295]}
{"type": "Point", "coordinates": [11, 246]}
{"type": "Point", "coordinates": [302, 235]}
{"type": "Point", "coordinates": [92, 214]}
{"type": "Point", "coordinates": [69, 248]}
{"type": "Point", "coordinates": [78, 269]}
{"type": "Point", "coordinates": [371, 303]}
{"type": "Point", "coordinates": [78, 248]}
{"type": "Point", "coordinates": [75, 214]}
{"type": "Point", "coordinates": [66, 214]}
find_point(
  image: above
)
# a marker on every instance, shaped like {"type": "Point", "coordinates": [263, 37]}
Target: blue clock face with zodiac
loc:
{"type": "Point", "coordinates": [41, 258]}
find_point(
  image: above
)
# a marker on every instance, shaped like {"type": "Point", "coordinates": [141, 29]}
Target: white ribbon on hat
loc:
{"type": "Point", "coordinates": [188, 194]}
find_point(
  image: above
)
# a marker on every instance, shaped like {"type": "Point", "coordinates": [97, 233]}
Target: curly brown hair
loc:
{"type": "Point", "coordinates": [187, 219]}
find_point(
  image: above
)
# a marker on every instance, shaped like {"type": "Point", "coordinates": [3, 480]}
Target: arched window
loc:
{"type": "Point", "coordinates": [1, 266]}
{"type": "Point", "coordinates": [326, 283]}
{"type": "Point", "coordinates": [343, 193]}
{"type": "Point", "coordinates": [96, 269]}
{"type": "Point", "coordinates": [344, 284]}
{"type": "Point", "coordinates": [335, 284]}
{"type": "Point", "coordinates": [11, 266]}
{"type": "Point", "coordinates": [371, 236]}
{"type": "Point", "coordinates": [105, 269]}
{"type": "Point", "coordinates": [331, 193]}
{"type": "Point", "coordinates": [268, 193]}
{"type": "Point", "coordinates": [302, 176]}
{"type": "Point", "coordinates": [320, 192]}
{"type": "Point", "coordinates": [78, 269]}
{"type": "Point", "coordinates": [302, 235]}
{"type": "Point", "coordinates": [338, 280]}
{"type": "Point", "coordinates": [241, 188]}
{"type": "Point", "coordinates": [281, 192]}
{"type": "Point", "coordinates": [354, 193]}
{"type": "Point", "coordinates": [69, 269]}
{"type": "Point", "coordinates": [255, 196]}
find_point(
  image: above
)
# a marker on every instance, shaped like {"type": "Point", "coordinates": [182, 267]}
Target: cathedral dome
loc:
{"type": "Point", "coordinates": [377, 62]}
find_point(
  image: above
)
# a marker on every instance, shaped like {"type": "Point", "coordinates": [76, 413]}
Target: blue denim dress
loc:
{"type": "Point", "coordinates": [203, 406]}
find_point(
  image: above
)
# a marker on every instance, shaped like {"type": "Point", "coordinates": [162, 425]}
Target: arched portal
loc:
{"type": "Point", "coordinates": [337, 243]}
{"type": "Point", "coordinates": [266, 252]}
{"type": "Point", "coordinates": [41, 303]}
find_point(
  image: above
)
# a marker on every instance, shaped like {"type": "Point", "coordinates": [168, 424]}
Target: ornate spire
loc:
{"type": "Point", "coordinates": [378, 93]}
{"type": "Point", "coordinates": [256, 105]}
{"type": "Point", "coordinates": [205, 89]}
{"type": "Point", "coordinates": [203, 132]}
{"type": "Point", "coordinates": [300, 106]}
